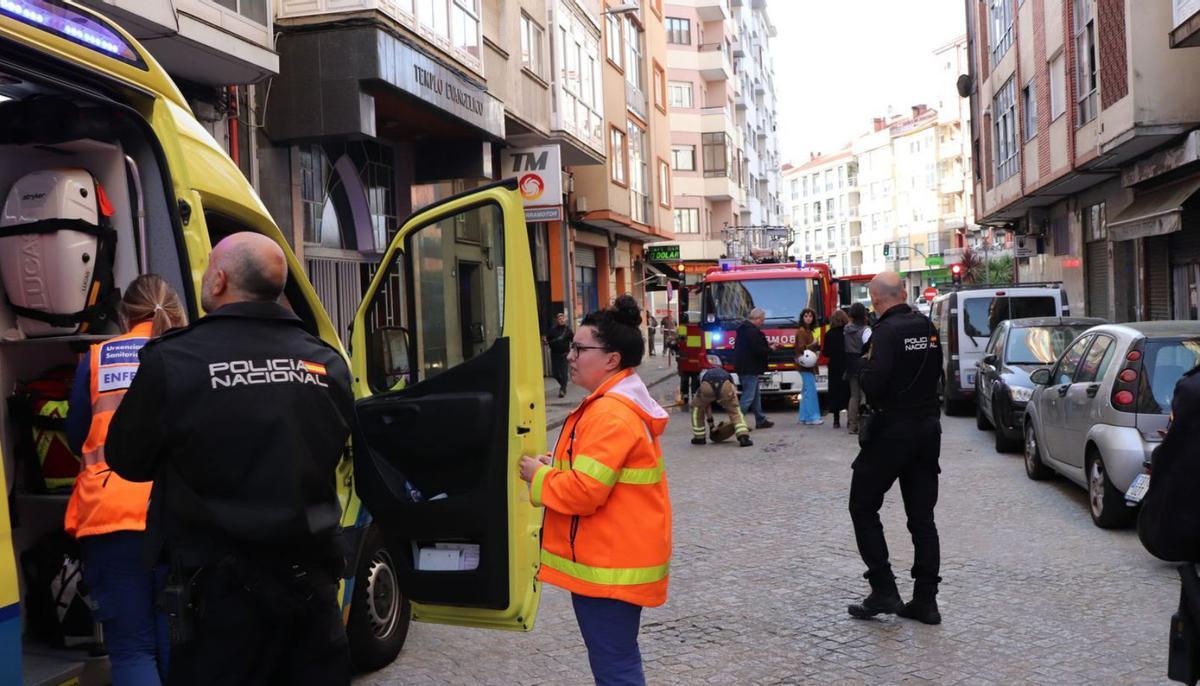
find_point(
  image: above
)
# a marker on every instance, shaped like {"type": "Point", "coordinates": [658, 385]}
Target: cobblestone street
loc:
{"type": "Point", "coordinates": [765, 565]}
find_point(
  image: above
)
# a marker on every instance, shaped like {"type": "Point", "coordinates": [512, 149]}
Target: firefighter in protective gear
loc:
{"type": "Point", "coordinates": [607, 531]}
{"type": "Point", "coordinates": [107, 513]}
{"type": "Point", "coordinates": [716, 385]}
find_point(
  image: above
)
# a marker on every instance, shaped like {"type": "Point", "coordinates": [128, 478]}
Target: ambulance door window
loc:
{"type": "Point", "coordinates": [450, 277]}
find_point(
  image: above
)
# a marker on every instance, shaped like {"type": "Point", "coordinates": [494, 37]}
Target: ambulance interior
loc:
{"type": "Point", "coordinates": [58, 148]}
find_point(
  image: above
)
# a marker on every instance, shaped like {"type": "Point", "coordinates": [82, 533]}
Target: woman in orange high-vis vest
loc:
{"type": "Point", "coordinates": [106, 513]}
{"type": "Point", "coordinates": [607, 533]}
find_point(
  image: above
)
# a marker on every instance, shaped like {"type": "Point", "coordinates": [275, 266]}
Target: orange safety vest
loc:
{"type": "Point", "coordinates": [607, 531]}
{"type": "Point", "coordinates": [103, 502]}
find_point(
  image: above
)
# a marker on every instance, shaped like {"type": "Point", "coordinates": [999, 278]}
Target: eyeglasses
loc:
{"type": "Point", "coordinates": [577, 348]}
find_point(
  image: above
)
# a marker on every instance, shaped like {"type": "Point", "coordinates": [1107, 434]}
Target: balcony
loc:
{"type": "Point", "coordinates": [708, 10]}
{"type": "Point", "coordinates": [952, 184]}
{"type": "Point", "coordinates": [713, 62]}
{"type": "Point", "coordinates": [720, 188]}
{"type": "Point", "coordinates": [201, 41]}
{"type": "Point", "coordinates": [717, 120]}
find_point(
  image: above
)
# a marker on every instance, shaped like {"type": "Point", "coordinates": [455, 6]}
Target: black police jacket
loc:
{"type": "Point", "coordinates": [559, 339]}
{"type": "Point", "coordinates": [902, 364]}
{"type": "Point", "coordinates": [240, 420]}
{"type": "Point", "coordinates": [1169, 520]}
{"type": "Point", "coordinates": [751, 350]}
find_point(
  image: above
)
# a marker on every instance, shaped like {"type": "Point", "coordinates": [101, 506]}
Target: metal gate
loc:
{"type": "Point", "coordinates": [1158, 277]}
{"type": "Point", "coordinates": [338, 281]}
{"type": "Point", "coordinates": [1098, 276]}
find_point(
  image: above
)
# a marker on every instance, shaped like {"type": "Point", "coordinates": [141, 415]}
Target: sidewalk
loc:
{"type": "Point", "coordinates": [660, 378]}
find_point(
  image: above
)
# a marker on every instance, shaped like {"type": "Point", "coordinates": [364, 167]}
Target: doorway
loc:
{"type": "Point", "coordinates": [470, 308]}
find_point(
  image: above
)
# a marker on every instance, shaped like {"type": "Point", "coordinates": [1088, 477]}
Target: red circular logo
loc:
{"type": "Point", "coordinates": [531, 186]}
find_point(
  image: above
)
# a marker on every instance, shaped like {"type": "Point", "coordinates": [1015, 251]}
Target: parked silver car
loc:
{"type": "Point", "coordinates": [1094, 416]}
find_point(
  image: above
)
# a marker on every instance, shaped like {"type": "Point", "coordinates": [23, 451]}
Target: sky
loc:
{"type": "Point", "coordinates": [840, 63]}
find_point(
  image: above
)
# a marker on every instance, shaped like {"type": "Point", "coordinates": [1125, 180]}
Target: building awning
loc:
{"type": "Point", "coordinates": [661, 268]}
{"type": "Point", "coordinates": [1154, 213]}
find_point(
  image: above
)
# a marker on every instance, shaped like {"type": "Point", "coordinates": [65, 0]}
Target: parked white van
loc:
{"type": "Point", "coordinates": [965, 318]}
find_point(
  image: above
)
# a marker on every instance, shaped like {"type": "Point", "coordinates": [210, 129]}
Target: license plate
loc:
{"type": "Point", "coordinates": [822, 378]}
{"type": "Point", "coordinates": [768, 383]}
{"type": "Point", "coordinates": [1137, 489]}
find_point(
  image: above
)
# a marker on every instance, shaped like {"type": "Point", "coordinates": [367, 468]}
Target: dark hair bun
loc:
{"type": "Point", "coordinates": [627, 311]}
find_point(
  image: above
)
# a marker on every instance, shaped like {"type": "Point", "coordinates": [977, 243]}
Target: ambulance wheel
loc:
{"type": "Point", "coordinates": [379, 612]}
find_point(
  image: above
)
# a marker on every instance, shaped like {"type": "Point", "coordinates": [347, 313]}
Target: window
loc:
{"type": "Point", "coordinates": [639, 186]}
{"type": "Point", "coordinates": [1058, 87]}
{"type": "Point", "coordinates": [1004, 115]}
{"type": "Point", "coordinates": [1095, 363]}
{"type": "Point", "coordinates": [1065, 371]}
{"type": "Point", "coordinates": [633, 55]}
{"type": "Point", "coordinates": [432, 15]}
{"type": "Point", "coordinates": [254, 10]}
{"type": "Point", "coordinates": [984, 313]}
{"type": "Point", "coordinates": [1029, 108]}
{"type": "Point", "coordinates": [447, 326]}
{"type": "Point", "coordinates": [817, 211]}
{"type": "Point", "coordinates": [717, 150]}
{"type": "Point", "coordinates": [828, 180]}
{"type": "Point", "coordinates": [1001, 28]}
{"type": "Point", "coordinates": [687, 220]}
{"type": "Point", "coordinates": [795, 186]}
{"type": "Point", "coordinates": [683, 157]}
{"type": "Point", "coordinates": [1085, 60]}
{"type": "Point", "coordinates": [613, 41]}
{"type": "Point", "coordinates": [532, 37]}
{"type": "Point", "coordinates": [829, 208]}
{"type": "Point", "coordinates": [660, 87]}
{"type": "Point", "coordinates": [679, 31]}
{"type": "Point", "coordinates": [804, 186]}
{"type": "Point", "coordinates": [464, 25]}
{"type": "Point", "coordinates": [679, 94]}
{"type": "Point", "coordinates": [664, 183]}
{"type": "Point", "coordinates": [616, 155]}
{"type": "Point", "coordinates": [1040, 345]}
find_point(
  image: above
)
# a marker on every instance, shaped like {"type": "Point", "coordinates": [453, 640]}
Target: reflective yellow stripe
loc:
{"type": "Point", "coordinates": [606, 576]}
{"type": "Point", "coordinates": [681, 330]}
{"type": "Point", "coordinates": [535, 486]}
{"type": "Point", "coordinates": [596, 469]}
{"type": "Point", "coordinates": [693, 341]}
{"type": "Point", "coordinates": [649, 475]}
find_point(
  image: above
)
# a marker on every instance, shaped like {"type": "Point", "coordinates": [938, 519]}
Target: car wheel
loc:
{"type": "Point", "coordinates": [981, 421]}
{"type": "Point", "coordinates": [1106, 503]}
{"type": "Point", "coordinates": [379, 612]}
{"type": "Point", "coordinates": [1004, 442]}
{"type": "Point", "coordinates": [1034, 467]}
{"type": "Point", "coordinates": [953, 408]}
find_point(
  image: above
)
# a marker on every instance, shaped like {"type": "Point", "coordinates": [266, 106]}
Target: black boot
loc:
{"type": "Point", "coordinates": [878, 603]}
{"type": "Point", "coordinates": [698, 440]}
{"type": "Point", "coordinates": [837, 420]}
{"type": "Point", "coordinates": [924, 610]}
{"type": "Point", "coordinates": [744, 441]}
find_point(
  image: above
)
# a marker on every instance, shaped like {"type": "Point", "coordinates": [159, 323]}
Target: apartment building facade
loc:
{"type": "Point", "coordinates": [1077, 148]}
{"type": "Point", "coordinates": [824, 198]}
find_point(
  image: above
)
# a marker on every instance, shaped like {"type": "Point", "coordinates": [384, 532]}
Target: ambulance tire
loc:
{"type": "Point", "coordinates": [379, 613]}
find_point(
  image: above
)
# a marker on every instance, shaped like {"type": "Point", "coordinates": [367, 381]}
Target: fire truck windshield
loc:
{"type": "Point", "coordinates": [727, 303]}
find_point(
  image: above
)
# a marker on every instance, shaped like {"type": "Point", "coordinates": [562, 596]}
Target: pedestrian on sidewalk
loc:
{"type": "Point", "coordinates": [807, 340]}
{"type": "Point", "coordinates": [670, 332]}
{"type": "Point", "coordinates": [751, 353]}
{"type": "Point", "coordinates": [856, 334]}
{"type": "Point", "coordinates": [902, 442]}
{"type": "Point", "coordinates": [651, 331]}
{"type": "Point", "coordinates": [558, 339]}
{"type": "Point", "coordinates": [716, 385]}
{"type": "Point", "coordinates": [834, 350]}
{"type": "Point", "coordinates": [606, 537]}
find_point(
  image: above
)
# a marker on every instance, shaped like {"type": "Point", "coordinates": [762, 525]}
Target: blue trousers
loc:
{"type": "Point", "coordinates": [124, 592]}
{"type": "Point", "coordinates": [610, 632]}
{"type": "Point", "coordinates": [810, 404]}
{"type": "Point", "coordinates": [751, 397]}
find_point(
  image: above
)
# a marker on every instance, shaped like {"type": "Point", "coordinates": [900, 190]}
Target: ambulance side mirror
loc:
{"type": "Point", "coordinates": [392, 345]}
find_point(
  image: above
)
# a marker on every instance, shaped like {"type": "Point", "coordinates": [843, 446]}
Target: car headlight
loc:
{"type": "Point", "coordinates": [1020, 394]}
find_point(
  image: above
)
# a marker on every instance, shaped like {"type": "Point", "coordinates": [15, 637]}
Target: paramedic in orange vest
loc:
{"type": "Point", "coordinates": [607, 533]}
{"type": "Point", "coordinates": [107, 513]}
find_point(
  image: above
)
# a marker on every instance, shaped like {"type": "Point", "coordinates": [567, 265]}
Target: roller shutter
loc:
{"type": "Point", "coordinates": [1158, 277]}
{"type": "Point", "coordinates": [585, 256]}
{"type": "Point", "coordinates": [1098, 273]}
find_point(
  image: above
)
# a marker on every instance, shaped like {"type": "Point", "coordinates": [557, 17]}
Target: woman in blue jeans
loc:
{"type": "Point", "coordinates": [106, 513]}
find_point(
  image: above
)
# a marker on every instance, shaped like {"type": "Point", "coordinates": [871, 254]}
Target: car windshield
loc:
{"type": "Point", "coordinates": [1166, 360]}
{"type": "Point", "coordinates": [730, 302]}
{"type": "Point", "coordinates": [1040, 344]}
{"type": "Point", "coordinates": [983, 314]}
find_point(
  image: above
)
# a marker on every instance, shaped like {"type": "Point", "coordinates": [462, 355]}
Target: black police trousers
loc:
{"type": "Point", "coordinates": [263, 628]}
{"type": "Point", "coordinates": [906, 449]}
{"type": "Point", "coordinates": [560, 370]}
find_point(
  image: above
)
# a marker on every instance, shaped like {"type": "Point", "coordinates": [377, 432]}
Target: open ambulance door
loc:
{"type": "Point", "coordinates": [446, 358]}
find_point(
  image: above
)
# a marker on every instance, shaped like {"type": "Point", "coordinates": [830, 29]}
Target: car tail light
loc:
{"type": "Point", "coordinates": [1128, 375]}
{"type": "Point", "coordinates": [1123, 398]}
{"type": "Point", "coordinates": [1134, 355]}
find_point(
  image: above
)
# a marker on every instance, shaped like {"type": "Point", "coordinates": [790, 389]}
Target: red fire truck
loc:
{"type": "Point", "coordinates": [853, 289]}
{"type": "Point", "coordinates": [727, 295]}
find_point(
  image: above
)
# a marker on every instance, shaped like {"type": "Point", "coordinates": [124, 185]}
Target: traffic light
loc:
{"type": "Point", "coordinates": [887, 249]}
{"type": "Point", "coordinates": [956, 273]}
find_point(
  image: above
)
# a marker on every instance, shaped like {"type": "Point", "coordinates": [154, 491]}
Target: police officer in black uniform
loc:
{"type": "Point", "coordinates": [899, 376]}
{"type": "Point", "coordinates": [240, 420]}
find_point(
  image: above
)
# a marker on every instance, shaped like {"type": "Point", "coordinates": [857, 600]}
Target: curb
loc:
{"type": "Point", "coordinates": [665, 377]}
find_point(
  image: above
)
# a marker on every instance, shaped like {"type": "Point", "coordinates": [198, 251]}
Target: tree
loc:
{"type": "Point", "coordinates": [972, 267]}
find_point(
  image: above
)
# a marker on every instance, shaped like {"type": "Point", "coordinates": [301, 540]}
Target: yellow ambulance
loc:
{"type": "Point", "coordinates": [446, 412]}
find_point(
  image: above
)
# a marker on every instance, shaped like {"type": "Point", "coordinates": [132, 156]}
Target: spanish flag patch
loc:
{"type": "Point", "coordinates": [314, 368]}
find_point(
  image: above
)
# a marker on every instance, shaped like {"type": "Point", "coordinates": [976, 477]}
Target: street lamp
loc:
{"type": "Point", "coordinates": [623, 8]}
